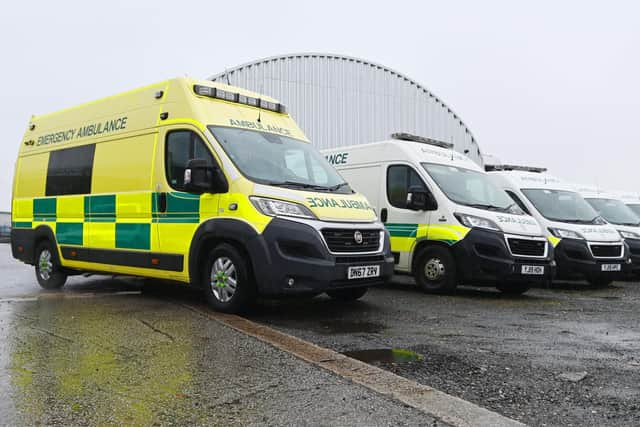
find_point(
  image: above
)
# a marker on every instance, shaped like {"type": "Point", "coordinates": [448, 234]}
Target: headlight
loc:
{"type": "Point", "coordinates": [565, 234]}
{"type": "Point", "coordinates": [472, 221]}
{"type": "Point", "coordinates": [629, 234]}
{"type": "Point", "coordinates": [273, 207]}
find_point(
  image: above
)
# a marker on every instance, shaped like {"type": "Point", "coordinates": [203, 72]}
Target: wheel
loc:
{"type": "Point", "coordinates": [599, 281]}
{"type": "Point", "coordinates": [228, 282]}
{"type": "Point", "coordinates": [351, 294]}
{"type": "Point", "coordinates": [513, 288]}
{"type": "Point", "coordinates": [48, 271]}
{"type": "Point", "coordinates": [435, 270]}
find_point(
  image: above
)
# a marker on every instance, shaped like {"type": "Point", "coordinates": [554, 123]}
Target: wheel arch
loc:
{"type": "Point", "coordinates": [235, 232]}
{"type": "Point", "coordinates": [424, 243]}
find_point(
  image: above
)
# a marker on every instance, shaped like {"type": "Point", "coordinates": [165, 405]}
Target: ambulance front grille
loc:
{"type": "Point", "coordinates": [606, 251]}
{"type": "Point", "coordinates": [526, 247]}
{"type": "Point", "coordinates": [346, 240]}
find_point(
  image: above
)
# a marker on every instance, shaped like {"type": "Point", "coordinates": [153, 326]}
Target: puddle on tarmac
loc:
{"type": "Point", "coordinates": [334, 327]}
{"type": "Point", "coordinates": [385, 356]}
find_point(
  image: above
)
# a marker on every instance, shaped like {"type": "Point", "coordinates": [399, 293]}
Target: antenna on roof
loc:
{"type": "Point", "coordinates": [493, 168]}
{"type": "Point", "coordinates": [403, 136]}
{"type": "Point", "coordinates": [260, 103]}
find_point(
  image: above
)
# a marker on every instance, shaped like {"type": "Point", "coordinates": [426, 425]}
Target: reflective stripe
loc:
{"type": "Point", "coordinates": [554, 241]}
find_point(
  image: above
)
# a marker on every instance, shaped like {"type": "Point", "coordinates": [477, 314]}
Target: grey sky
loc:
{"type": "Point", "coordinates": [549, 83]}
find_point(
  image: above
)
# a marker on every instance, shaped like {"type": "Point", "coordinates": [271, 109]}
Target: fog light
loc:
{"type": "Point", "coordinates": [290, 282]}
{"type": "Point", "coordinates": [553, 263]}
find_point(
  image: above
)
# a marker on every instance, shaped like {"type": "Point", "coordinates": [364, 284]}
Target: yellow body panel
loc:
{"type": "Point", "coordinates": [405, 237]}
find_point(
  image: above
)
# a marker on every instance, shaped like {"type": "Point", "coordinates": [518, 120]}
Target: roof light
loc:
{"type": "Point", "coordinates": [491, 168]}
{"type": "Point", "coordinates": [226, 95]}
{"type": "Point", "coordinates": [403, 136]}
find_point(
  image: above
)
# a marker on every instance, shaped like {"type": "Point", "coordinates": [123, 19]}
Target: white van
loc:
{"type": "Point", "coordinates": [617, 213]}
{"type": "Point", "coordinates": [630, 199]}
{"type": "Point", "coordinates": [449, 223]}
{"type": "Point", "coordinates": [585, 244]}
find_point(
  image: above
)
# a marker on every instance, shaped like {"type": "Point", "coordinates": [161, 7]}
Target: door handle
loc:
{"type": "Point", "coordinates": [383, 214]}
{"type": "Point", "coordinates": [162, 202]}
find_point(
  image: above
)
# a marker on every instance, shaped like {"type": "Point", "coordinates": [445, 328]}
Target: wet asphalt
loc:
{"type": "Point", "coordinates": [107, 351]}
{"type": "Point", "coordinates": [131, 352]}
{"type": "Point", "coordinates": [566, 356]}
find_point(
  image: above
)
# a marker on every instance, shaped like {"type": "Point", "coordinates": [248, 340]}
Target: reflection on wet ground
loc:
{"type": "Point", "coordinates": [130, 352]}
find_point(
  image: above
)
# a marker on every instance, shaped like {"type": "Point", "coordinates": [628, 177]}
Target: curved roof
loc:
{"type": "Point", "coordinates": [342, 100]}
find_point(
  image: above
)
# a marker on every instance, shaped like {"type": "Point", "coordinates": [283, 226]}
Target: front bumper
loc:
{"type": "Point", "coordinates": [483, 258]}
{"type": "Point", "coordinates": [293, 250]}
{"type": "Point", "coordinates": [575, 260]}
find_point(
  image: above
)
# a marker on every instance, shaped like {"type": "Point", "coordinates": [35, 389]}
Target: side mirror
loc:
{"type": "Point", "coordinates": [200, 178]}
{"type": "Point", "coordinates": [420, 199]}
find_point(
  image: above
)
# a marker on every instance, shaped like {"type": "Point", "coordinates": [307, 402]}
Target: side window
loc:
{"type": "Point", "coordinates": [182, 146]}
{"type": "Point", "coordinates": [70, 170]}
{"type": "Point", "coordinates": [519, 202]}
{"type": "Point", "coordinates": [399, 179]}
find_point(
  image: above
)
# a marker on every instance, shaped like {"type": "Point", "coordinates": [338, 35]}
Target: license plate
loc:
{"type": "Point", "coordinates": [611, 267]}
{"type": "Point", "coordinates": [362, 272]}
{"type": "Point", "coordinates": [536, 270]}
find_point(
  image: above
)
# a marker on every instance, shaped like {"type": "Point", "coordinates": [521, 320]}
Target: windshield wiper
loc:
{"type": "Point", "coordinates": [488, 207]}
{"type": "Point", "coordinates": [338, 186]}
{"type": "Point", "coordinates": [578, 221]}
{"type": "Point", "coordinates": [299, 184]}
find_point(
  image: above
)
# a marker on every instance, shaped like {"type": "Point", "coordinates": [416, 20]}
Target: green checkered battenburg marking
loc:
{"type": "Point", "coordinates": [133, 236]}
{"type": "Point", "coordinates": [100, 208]}
{"type": "Point", "coordinates": [44, 209]}
{"type": "Point", "coordinates": [402, 230]}
{"type": "Point", "coordinates": [69, 233]}
{"type": "Point", "coordinates": [22, 224]}
{"type": "Point", "coordinates": [183, 208]}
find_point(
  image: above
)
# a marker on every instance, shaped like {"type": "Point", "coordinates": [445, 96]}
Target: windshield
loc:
{"type": "Point", "coordinates": [470, 188]}
{"type": "Point", "coordinates": [561, 206]}
{"type": "Point", "coordinates": [272, 159]}
{"type": "Point", "coordinates": [635, 208]}
{"type": "Point", "coordinates": [615, 211]}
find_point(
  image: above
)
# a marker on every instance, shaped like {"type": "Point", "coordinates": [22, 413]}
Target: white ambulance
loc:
{"type": "Point", "coordinates": [586, 246]}
{"type": "Point", "coordinates": [630, 199]}
{"type": "Point", "coordinates": [449, 223]}
{"type": "Point", "coordinates": [621, 216]}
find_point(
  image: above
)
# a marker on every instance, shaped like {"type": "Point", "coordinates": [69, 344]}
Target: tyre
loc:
{"type": "Point", "coordinates": [599, 281]}
{"type": "Point", "coordinates": [48, 270]}
{"type": "Point", "coordinates": [513, 288]}
{"type": "Point", "coordinates": [435, 270]}
{"type": "Point", "coordinates": [347, 294]}
{"type": "Point", "coordinates": [228, 281]}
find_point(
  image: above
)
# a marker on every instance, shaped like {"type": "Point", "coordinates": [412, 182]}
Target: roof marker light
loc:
{"type": "Point", "coordinates": [226, 95]}
{"type": "Point", "coordinates": [493, 168]}
{"type": "Point", "coordinates": [403, 136]}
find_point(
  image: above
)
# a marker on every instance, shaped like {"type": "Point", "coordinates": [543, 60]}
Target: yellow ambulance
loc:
{"type": "Point", "coordinates": [196, 182]}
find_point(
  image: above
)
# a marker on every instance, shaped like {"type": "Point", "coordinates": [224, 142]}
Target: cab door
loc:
{"type": "Point", "coordinates": [404, 225]}
{"type": "Point", "coordinates": [177, 213]}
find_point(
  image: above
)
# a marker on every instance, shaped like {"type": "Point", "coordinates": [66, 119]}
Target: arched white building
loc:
{"type": "Point", "coordinates": [339, 100]}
